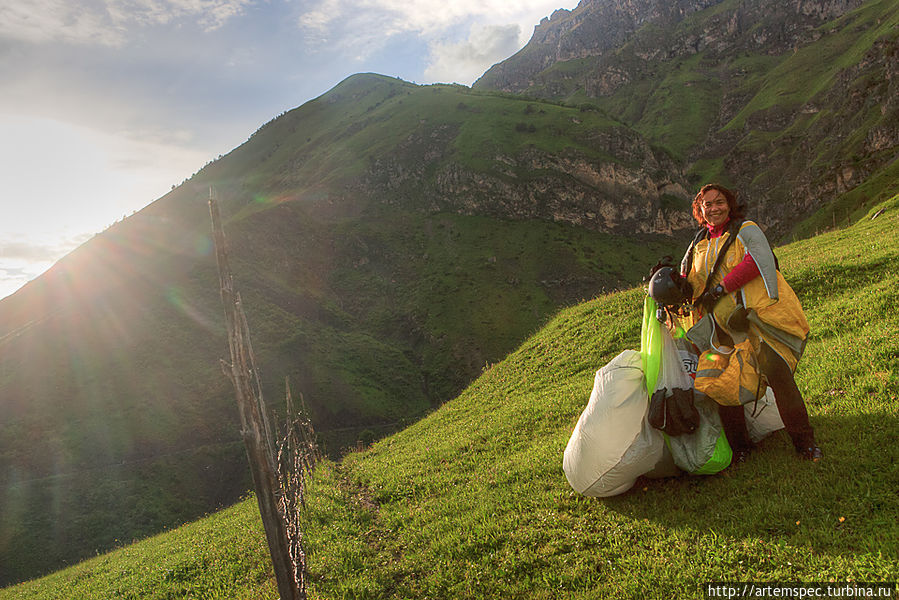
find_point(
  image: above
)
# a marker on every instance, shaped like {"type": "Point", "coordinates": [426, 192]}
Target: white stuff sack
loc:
{"type": "Point", "coordinates": [612, 443]}
{"type": "Point", "coordinates": [763, 417]}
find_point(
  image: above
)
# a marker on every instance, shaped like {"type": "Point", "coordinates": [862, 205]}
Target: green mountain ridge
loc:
{"type": "Point", "coordinates": [361, 294]}
{"type": "Point", "coordinates": [471, 502]}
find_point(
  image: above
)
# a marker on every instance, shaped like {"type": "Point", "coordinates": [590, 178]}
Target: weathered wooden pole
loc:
{"type": "Point", "coordinates": [255, 430]}
{"type": "Point", "coordinates": [297, 456]}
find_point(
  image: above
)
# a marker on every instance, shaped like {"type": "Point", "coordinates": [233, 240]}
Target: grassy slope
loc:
{"type": "Point", "coordinates": [371, 317]}
{"type": "Point", "coordinates": [220, 557]}
{"type": "Point", "coordinates": [368, 116]}
{"type": "Point", "coordinates": [471, 502]}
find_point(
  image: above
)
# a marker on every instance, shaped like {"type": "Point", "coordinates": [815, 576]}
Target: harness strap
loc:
{"type": "Point", "coordinates": [732, 230]}
{"type": "Point", "coordinates": [687, 261]}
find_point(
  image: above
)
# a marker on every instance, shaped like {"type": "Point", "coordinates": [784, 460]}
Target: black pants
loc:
{"type": "Point", "coordinates": [790, 405]}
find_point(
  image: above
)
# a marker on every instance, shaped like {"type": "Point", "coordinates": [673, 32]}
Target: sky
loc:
{"type": "Point", "coordinates": [107, 104]}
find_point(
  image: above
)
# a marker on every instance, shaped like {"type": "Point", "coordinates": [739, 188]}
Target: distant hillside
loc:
{"type": "Point", "coordinates": [471, 502]}
{"type": "Point", "coordinates": [794, 103]}
{"type": "Point", "coordinates": [389, 241]}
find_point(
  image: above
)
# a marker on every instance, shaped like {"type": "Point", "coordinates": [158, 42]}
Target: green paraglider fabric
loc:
{"type": "Point", "coordinates": [720, 458]}
{"type": "Point", "coordinates": [651, 354]}
{"type": "Point", "coordinates": [651, 344]}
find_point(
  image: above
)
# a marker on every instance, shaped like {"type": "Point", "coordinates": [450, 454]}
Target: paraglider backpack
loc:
{"type": "Point", "coordinates": [705, 451]}
{"type": "Point", "coordinates": [730, 379]}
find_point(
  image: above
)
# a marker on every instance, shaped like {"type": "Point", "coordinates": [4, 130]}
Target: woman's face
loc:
{"type": "Point", "coordinates": [714, 207]}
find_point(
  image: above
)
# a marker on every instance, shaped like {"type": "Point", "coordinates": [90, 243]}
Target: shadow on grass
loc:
{"type": "Point", "coordinates": [845, 504]}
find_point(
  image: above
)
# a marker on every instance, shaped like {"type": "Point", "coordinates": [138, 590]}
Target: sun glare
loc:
{"type": "Point", "coordinates": [60, 184]}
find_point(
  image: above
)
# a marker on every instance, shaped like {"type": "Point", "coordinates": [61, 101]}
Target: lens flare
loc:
{"type": "Point", "coordinates": [176, 298]}
{"type": "Point", "coordinates": [203, 245]}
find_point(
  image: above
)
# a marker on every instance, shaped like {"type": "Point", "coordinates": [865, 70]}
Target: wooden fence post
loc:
{"type": "Point", "coordinates": [255, 429]}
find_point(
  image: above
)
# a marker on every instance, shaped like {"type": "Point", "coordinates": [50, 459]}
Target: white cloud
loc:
{"type": "Point", "coordinates": [322, 15]}
{"type": "Point", "coordinates": [15, 274]}
{"type": "Point", "coordinates": [465, 61]}
{"type": "Point", "coordinates": [26, 251]}
{"type": "Point", "coordinates": [57, 20]}
{"type": "Point", "coordinates": [362, 27]}
{"type": "Point", "coordinates": [105, 22]}
{"type": "Point", "coordinates": [428, 16]}
{"type": "Point", "coordinates": [23, 259]}
{"type": "Point", "coordinates": [210, 14]}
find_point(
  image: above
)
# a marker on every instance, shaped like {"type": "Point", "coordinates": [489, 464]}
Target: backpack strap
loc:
{"type": "Point", "coordinates": [688, 257]}
{"type": "Point", "coordinates": [732, 230]}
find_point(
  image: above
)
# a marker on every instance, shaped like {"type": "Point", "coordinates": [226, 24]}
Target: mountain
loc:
{"type": "Point", "coordinates": [794, 103]}
{"type": "Point", "coordinates": [471, 501]}
{"type": "Point", "coordinates": [391, 241]}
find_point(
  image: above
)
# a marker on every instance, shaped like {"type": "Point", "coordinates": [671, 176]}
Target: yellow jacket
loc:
{"type": "Point", "coordinates": [770, 311]}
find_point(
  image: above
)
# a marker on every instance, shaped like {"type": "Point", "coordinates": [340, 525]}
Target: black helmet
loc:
{"type": "Point", "coordinates": [668, 288]}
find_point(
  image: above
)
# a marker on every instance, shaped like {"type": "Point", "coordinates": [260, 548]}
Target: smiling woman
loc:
{"type": "Point", "coordinates": [60, 184]}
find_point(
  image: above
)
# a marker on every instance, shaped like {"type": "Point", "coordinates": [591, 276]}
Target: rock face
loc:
{"type": "Point", "coordinates": [594, 28]}
{"type": "Point", "coordinates": [855, 134]}
{"type": "Point", "coordinates": [603, 197]}
{"type": "Point", "coordinates": [642, 190]}
{"type": "Point", "coordinates": [602, 28]}
{"type": "Point", "coordinates": [794, 101]}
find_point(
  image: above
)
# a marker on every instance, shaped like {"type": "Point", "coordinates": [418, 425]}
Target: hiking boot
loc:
{"type": "Point", "coordinates": [812, 453]}
{"type": "Point", "coordinates": [740, 456]}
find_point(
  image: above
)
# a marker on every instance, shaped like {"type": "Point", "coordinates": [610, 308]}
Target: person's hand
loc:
{"type": "Point", "coordinates": [709, 299]}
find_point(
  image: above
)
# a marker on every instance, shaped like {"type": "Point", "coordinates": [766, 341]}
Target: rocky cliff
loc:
{"type": "Point", "coordinates": [593, 29]}
{"type": "Point", "coordinates": [793, 102]}
{"type": "Point", "coordinates": [653, 30]}
{"type": "Point", "coordinates": [631, 188]}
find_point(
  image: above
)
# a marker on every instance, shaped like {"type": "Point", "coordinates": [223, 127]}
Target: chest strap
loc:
{"type": "Point", "coordinates": [686, 263]}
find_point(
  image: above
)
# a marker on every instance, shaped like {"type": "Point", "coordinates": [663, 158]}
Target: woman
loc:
{"type": "Point", "coordinates": [749, 297]}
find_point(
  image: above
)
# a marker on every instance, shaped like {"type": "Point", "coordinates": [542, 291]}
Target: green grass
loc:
{"type": "Point", "coordinates": [479, 285]}
{"type": "Point", "coordinates": [333, 138]}
{"type": "Point", "coordinates": [221, 557]}
{"type": "Point", "coordinates": [680, 109]}
{"type": "Point", "coordinates": [471, 502]}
